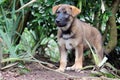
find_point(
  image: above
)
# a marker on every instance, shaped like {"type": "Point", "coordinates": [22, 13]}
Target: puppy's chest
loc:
{"type": "Point", "coordinates": [68, 40]}
{"type": "Point", "coordinates": [69, 45]}
{"type": "Point", "coordinates": [68, 36]}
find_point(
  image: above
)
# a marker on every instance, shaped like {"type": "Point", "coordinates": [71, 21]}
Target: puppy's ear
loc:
{"type": "Point", "coordinates": [54, 9]}
{"type": "Point", "coordinates": [75, 11]}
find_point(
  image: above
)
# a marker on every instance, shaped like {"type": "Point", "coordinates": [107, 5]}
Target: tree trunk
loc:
{"type": "Point", "coordinates": [113, 28]}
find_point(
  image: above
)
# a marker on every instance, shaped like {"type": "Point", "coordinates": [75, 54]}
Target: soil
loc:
{"type": "Point", "coordinates": [39, 73]}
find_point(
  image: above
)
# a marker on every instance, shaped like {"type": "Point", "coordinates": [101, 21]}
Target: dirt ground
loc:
{"type": "Point", "coordinates": [39, 73]}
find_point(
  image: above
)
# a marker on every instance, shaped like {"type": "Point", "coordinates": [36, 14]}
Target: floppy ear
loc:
{"type": "Point", "coordinates": [54, 9]}
{"type": "Point", "coordinates": [75, 11]}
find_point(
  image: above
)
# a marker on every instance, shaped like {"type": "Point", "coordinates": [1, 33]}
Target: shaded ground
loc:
{"type": "Point", "coordinates": [38, 73]}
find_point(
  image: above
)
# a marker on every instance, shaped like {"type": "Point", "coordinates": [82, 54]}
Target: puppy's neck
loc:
{"type": "Point", "coordinates": [68, 28]}
{"type": "Point", "coordinates": [68, 33]}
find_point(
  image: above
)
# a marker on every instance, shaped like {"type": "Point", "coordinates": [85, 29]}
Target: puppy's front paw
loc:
{"type": "Point", "coordinates": [75, 68]}
{"type": "Point", "coordinates": [70, 68]}
{"type": "Point", "coordinates": [60, 70]}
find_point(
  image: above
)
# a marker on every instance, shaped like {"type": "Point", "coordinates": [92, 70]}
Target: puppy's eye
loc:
{"type": "Point", "coordinates": [58, 12]}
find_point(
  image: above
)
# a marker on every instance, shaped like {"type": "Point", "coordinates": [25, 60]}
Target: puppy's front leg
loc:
{"type": "Point", "coordinates": [78, 59]}
{"type": "Point", "coordinates": [63, 59]}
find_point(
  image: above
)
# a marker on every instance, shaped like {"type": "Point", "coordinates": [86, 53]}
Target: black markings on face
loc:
{"type": "Point", "coordinates": [62, 17]}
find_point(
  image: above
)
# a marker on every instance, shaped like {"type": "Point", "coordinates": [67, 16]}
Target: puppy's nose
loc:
{"type": "Point", "coordinates": [57, 21]}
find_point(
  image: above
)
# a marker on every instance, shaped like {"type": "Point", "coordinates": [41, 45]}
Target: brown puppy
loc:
{"type": "Point", "coordinates": [72, 33]}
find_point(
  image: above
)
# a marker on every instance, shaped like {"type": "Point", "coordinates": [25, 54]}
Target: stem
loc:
{"type": "Point", "coordinates": [32, 1]}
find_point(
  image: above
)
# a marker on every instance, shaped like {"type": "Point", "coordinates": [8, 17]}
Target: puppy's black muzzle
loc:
{"type": "Point", "coordinates": [62, 19]}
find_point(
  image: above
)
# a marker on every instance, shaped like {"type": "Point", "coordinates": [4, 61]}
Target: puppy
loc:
{"type": "Point", "coordinates": [72, 34]}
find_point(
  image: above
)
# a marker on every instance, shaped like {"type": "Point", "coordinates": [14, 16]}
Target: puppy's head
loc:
{"type": "Point", "coordinates": [65, 14]}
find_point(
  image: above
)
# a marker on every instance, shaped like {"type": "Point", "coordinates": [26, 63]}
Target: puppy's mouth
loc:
{"type": "Point", "coordinates": [61, 24]}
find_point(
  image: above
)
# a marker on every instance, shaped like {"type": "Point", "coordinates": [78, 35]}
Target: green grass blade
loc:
{"type": "Point", "coordinates": [5, 19]}
{"type": "Point", "coordinates": [95, 56]}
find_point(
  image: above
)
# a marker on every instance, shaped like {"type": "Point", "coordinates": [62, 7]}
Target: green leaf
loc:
{"type": "Point", "coordinates": [2, 1]}
{"type": "Point", "coordinates": [7, 41]}
{"type": "Point", "coordinates": [52, 50]}
{"type": "Point", "coordinates": [45, 41]}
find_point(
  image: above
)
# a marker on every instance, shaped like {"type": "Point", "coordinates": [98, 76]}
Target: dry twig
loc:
{"type": "Point", "coordinates": [32, 1]}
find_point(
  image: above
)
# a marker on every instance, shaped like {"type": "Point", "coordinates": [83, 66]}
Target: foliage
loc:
{"type": "Point", "coordinates": [27, 41]}
{"type": "Point", "coordinates": [15, 52]}
{"type": "Point", "coordinates": [51, 49]}
{"type": "Point", "coordinates": [42, 17]}
{"type": "Point", "coordinates": [7, 30]}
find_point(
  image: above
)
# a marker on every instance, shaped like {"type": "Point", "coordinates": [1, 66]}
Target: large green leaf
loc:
{"type": "Point", "coordinates": [2, 1]}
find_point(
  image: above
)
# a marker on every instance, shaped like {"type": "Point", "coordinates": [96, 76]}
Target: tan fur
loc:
{"type": "Point", "coordinates": [81, 31]}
